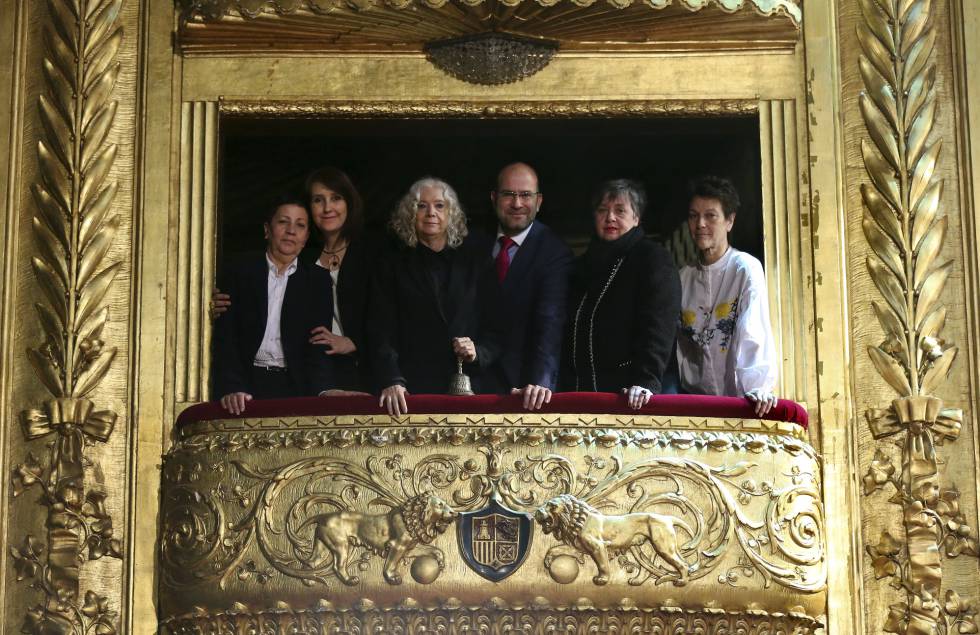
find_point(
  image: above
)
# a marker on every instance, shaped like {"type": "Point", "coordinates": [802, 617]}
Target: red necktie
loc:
{"type": "Point", "coordinates": [503, 257]}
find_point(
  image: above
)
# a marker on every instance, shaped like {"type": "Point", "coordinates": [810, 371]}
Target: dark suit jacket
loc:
{"type": "Point", "coordinates": [411, 328]}
{"type": "Point", "coordinates": [308, 302]}
{"type": "Point", "coordinates": [621, 327]}
{"type": "Point", "coordinates": [352, 372]}
{"type": "Point", "coordinates": [526, 314]}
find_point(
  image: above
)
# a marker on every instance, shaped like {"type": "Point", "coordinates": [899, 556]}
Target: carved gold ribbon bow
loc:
{"type": "Point", "coordinates": [61, 412]}
{"type": "Point", "coordinates": [922, 417]}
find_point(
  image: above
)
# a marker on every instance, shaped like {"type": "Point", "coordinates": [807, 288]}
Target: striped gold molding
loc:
{"type": "Point", "coordinates": [487, 109]}
{"type": "Point", "coordinates": [74, 227]}
{"type": "Point", "coordinates": [504, 424]}
{"type": "Point", "coordinates": [906, 229]}
{"type": "Point", "coordinates": [197, 215]}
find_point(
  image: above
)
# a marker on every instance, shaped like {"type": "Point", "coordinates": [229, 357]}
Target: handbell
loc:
{"type": "Point", "coordinates": [459, 382]}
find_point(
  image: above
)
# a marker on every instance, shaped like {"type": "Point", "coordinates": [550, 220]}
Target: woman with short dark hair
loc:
{"type": "Point", "coordinates": [623, 304]}
{"type": "Point", "coordinates": [725, 344]}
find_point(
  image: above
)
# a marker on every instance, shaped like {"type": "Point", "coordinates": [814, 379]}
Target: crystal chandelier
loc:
{"type": "Point", "coordinates": [490, 58]}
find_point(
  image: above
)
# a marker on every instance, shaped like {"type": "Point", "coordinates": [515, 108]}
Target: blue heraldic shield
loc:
{"type": "Point", "coordinates": [495, 540]}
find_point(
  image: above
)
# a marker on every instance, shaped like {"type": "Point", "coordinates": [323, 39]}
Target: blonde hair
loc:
{"type": "Point", "coordinates": [403, 218]}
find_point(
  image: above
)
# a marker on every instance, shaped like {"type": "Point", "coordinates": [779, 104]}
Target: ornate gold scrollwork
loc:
{"type": "Point", "coordinates": [906, 231]}
{"type": "Point", "coordinates": [74, 227]}
{"type": "Point", "coordinates": [307, 520]}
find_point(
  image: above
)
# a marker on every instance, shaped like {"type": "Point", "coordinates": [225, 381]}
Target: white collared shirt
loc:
{"type": "Point", "coordinates": [518, 241]}
{"type": "Point", "coordinates": [335, 327]}
{"type": "Point", "coordinates": [725, 344]}
{"type": "Point", "coordinates": [270, 351]}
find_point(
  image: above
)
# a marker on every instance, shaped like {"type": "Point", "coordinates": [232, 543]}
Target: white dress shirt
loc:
{"type": "Point", "coordinates": [725, 344]}
{"type": "Point", "coordinates": [335, 327]}
{"type": "Point", "coordinates": [270, 353]}
{"type": "Point", "coordinates": [518, 241]}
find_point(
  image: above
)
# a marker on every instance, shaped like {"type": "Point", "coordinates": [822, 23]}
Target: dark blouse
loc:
{"type": "Point", "coordinates": [352, 372]}
{"type": "Point", "coordinates": [420, 301]}
{"type": "Point", "coordinates": [622, 316]}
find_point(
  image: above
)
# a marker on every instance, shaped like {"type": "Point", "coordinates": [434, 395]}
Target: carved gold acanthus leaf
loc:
{"type": "Point", "coordinates": [214, 26]}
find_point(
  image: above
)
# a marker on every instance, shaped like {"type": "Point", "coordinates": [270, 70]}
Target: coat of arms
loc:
{"type": "Point", "coordinates": [494, 540]}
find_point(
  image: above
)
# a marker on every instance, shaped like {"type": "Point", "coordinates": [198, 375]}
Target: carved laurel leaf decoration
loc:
{"type": "Point", "coordinates": [74, 225]}
{"type": "Point", "coordinates": [902, 220]}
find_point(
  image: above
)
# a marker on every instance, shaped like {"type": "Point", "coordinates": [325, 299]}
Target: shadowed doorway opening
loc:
{"type": "Point", "coordinates": [261, 158]}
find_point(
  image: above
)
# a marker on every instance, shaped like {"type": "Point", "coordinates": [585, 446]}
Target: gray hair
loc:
{"type": "Point", "coordinates": [403, 218]}
{"type": "Point", "coordinates": [615, 188]}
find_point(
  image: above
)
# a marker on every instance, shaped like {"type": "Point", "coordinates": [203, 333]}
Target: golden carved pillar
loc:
{"type": "Point", "coordinates": [67, 322]}
{"type": "Point", "coordinates": [196, 245]}
{"type": "Point", "coordinates": [913, 336]}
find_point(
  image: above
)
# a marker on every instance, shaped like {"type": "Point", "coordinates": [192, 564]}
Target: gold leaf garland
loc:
{"type": "Point", "coordinates": [906, 231]}
{"type": "Point", "coordinates": [74, 227]}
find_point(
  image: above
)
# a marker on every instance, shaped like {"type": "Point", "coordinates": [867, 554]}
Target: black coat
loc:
{"type": "Point", "coordinates": [353, 372]}
{"type": "Point", "coordinates": [238, 332]}
{"type": "Point", "coordinates": [525, 315]}
{"type": "Point", "coordinates": [622, 316]}
{"type": "Point", "coordinates": [411, 324]}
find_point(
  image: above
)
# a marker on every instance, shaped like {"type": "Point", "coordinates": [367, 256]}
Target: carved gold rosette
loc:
{"type": "Point", "coordinates": [263, 518]}
{"type": "Point", "coordinates": [907, 230]}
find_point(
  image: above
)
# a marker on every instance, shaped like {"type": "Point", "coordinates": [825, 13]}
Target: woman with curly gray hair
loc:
{"type": "Point", "coordinates": [424, 304]}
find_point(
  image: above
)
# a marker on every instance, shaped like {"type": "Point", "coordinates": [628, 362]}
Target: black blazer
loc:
{"type": "Point", "coordinates": [352, 372]}
{"type": "Point", "coordinates": [526, 314]}
{"type": "Point", "coordinates": [238, 332]}
{"type": "Point", "coordinates": [623, 308]}
{"type": "Point", "coordinates": [410, 327]}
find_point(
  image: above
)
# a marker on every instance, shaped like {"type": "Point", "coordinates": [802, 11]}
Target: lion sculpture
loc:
{"type": "Point", "coordinates": [584, 530]}
{"type": "Point", "coordinates": [408, 528]}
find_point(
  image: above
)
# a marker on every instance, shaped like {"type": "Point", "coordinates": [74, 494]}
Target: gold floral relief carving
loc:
{"type": "Point", "coordinates": [310, 519]}
{"type": "Point", "coordinates": [74, 226]}
{"type": "Point", "coordinates": [493, 110]}
{"type": "Point", "coordinates": [906, 229]}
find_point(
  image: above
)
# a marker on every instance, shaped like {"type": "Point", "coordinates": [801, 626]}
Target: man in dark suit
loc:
{"type": "Point", "coordinates": [261, 342]}
{"type": "Point", "coordinates": [524, 294]}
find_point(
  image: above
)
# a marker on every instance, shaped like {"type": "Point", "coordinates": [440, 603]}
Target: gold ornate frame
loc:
{"type": "Point", "coordinates": [154, 309]}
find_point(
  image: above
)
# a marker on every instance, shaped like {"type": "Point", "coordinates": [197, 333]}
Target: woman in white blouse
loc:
{"type": "Point", "coordinates": [724, 341]}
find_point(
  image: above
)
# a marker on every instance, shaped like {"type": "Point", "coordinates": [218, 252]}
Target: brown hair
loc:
{"type": "Point", "coordinates": [338, 181]}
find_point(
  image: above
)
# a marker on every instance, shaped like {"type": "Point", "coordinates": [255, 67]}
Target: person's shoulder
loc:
{"type": "Point", "coordinates": [745, 261]}
{"type": "Point", "coordinates": [246, 264]}
{"type": "Point", "coordinates": [651, 250]}
{"type": "Point", "coordinates": [545, 242]}
{"type": "Point", "coordinates": [747, 266]}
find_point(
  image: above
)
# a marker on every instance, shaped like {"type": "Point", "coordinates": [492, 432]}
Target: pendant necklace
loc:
{"type": "Point", "coordinates": [333, 257]}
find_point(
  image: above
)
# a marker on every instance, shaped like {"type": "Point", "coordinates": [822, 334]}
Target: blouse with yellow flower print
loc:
{"type": "Point", "coordinates": [724, 341]}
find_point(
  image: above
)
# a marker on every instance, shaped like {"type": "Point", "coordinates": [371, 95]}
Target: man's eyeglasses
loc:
{"type": "Point", "coordinates": [511, 195]}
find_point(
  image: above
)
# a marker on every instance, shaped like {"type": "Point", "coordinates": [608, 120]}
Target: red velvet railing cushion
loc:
{"type": "Point", "coordinates": [571, 402]}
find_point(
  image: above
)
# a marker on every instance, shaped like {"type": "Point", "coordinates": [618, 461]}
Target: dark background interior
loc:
{"type": "Point", "coordinates": [262, 158]}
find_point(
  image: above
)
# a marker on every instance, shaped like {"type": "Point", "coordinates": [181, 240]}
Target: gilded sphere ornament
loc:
{"type": "Point", "coordinates": [425, 569]}
{"type": "Point", "coordinates": [564, 569]}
